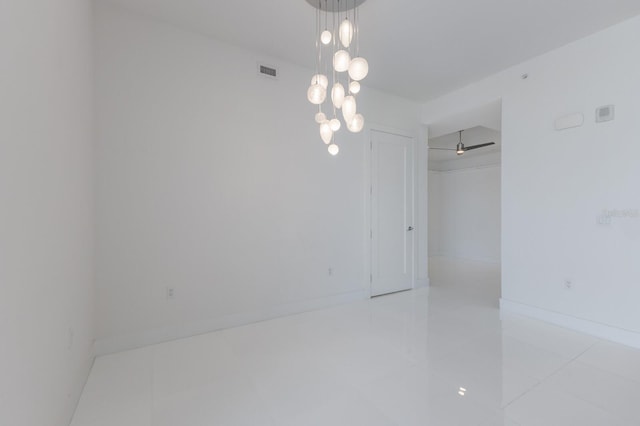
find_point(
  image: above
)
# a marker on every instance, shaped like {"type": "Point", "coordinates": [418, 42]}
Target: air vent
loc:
{"type": "Point", "coordinates": [267, 71]}
{"type": "Point", "coordinates": [605, 113]}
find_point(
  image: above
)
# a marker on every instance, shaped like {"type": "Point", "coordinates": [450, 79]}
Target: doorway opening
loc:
{"type": "Point", "coordinates": [464, 205]}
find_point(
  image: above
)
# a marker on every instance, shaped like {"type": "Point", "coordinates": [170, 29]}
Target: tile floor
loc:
{"type": "Point", "coordinates": [442, 357]}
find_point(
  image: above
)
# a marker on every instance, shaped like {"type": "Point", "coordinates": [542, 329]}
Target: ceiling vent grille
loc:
{"type": "Point", "coordinates": [267, 71]}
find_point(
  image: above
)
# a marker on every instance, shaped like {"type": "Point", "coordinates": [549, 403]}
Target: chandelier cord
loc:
{"type": "Point", "coordinates": [318, 48]}
{"type": "Point", "coordinates": [356, 20]}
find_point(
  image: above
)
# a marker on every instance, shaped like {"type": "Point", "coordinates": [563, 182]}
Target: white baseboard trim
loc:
{"type": "Point", "coordinates": [492, 262]}
{"type": "Point", "coordinates": [150, 337]}
{"type": "Point", "coordinates": [422, 283]}
{"type": "Point", "coordinates": [603, 331]}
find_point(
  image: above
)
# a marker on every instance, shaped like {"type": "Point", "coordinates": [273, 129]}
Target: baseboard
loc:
{"type": "Point", "coordinates": [492, 262]}
{"type": "Point", "coordinates": [603, 331]}
{"type": "Point", "coordinates": [150, 337]}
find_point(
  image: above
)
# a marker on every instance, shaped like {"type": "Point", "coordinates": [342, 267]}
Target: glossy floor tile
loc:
{"type": "Point", "coordinates": [439, 357]}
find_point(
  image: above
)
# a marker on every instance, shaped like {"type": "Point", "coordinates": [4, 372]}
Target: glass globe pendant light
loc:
{"type": "Point", "coordinates": [337, 95]}
{"type": "Point", "coordinates": [339, 69]}
{"type": "Point", "coordinates": [316, 94]}
{"type": "Point", "coordinates": [349, 108]}
{"type": "Point", "coordinates": [341, 60]}
{"type": "Point", "coordinates": [358, 69]}
{"type": "Point", "coordinates": [356, 124]}
{"type": "Point", "coordinates": [320, 79]}
{"type": "Point", "coordinates": [326, 37]}
{"type": "Point", "coordinates": [346, 32]}
{"type": "Point", "coordinates": [325, 132]}
{"type": "Point", "coordinates": [320, 117]}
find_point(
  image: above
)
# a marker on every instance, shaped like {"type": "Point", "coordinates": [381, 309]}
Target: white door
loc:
{"type": "Point", "coordinates": [392, 225]}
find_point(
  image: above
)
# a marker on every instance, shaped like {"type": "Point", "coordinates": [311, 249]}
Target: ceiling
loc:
{"type": "Point", "coordinates": [417, 49]}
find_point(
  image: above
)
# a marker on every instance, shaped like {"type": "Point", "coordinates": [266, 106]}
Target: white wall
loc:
{"type": "Point", "coordinates": [214, 181]}
{"type": "Point", "coordinates": [435, 210]}
{"type": "Point", "coordinates": [464, 208]}
{"type": "Point", "coordinates": [46, 227]}
{"type": "Point", "coordinates": [556, 184]}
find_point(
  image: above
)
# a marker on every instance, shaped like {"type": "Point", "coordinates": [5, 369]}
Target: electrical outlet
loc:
{"type": "Point", "coordinates": [330, 270]}
{"type": "Point", "coordinates": [568, 284]}
{"type": "Point", "coordinates": [171, 293]}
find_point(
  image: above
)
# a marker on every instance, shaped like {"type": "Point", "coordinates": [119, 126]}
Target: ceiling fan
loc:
{"type": "Point", "coordinates": [461, 149]}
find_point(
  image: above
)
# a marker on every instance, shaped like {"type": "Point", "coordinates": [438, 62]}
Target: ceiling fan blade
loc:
{"type": "Point", "coordinates": [443, 149]}
{"type": "Point", "coordinates": [482, 145]}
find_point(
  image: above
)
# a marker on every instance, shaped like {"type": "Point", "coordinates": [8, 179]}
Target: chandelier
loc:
{"type": "Point", "coordinates": [338, 62]}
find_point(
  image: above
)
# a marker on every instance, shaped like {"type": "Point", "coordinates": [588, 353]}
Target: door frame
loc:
{"type": "Point", "coordinates": [369, 179]}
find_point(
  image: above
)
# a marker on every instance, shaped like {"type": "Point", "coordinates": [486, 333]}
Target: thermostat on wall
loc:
{"type": "Point", "coordinates": [605, 113]}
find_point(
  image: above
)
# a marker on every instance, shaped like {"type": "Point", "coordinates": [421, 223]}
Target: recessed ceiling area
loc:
{"type": "Point", "coordinates": [416, 49]}
{"type": "Point", "coordinates": [440, 160]}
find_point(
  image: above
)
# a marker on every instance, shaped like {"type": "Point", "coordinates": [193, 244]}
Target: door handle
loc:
{"type": "Point", "coordinates": [410, 228]}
